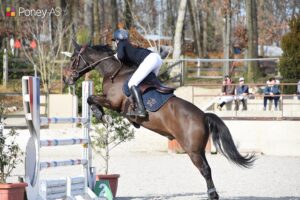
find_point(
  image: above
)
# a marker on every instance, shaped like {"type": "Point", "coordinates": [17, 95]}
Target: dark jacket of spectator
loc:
{"type": "Point", "coordinates": [242, 89]}
{"type": "Point", "coordinates": [228, 89]}
{"type": "Point", "coordinates": [272, 89]}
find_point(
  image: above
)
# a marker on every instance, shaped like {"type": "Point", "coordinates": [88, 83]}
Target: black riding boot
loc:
{"type": "Point", "coordinates": [139, 105]}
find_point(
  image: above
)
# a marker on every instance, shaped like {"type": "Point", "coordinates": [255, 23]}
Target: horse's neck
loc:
{"type": "Point", "coordinates": [125, 70]}
{"type": "Point", "coordinates": [108, 68]}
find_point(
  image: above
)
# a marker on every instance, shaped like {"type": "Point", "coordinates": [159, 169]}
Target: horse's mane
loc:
{"type": "Point", "coordinates": [103, 48]}
{"type": "Point", "coordinates": [106, 48]}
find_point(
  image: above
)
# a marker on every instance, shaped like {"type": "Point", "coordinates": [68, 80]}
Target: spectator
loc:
{"type": "Point", "coordinates": [298, 89]}
{"type": "Point", "coordinates": [227, 92]}
{"type": "Point", "coordinates": [241, 94]}
{"type": "Point", "coordinates": [271, 91]}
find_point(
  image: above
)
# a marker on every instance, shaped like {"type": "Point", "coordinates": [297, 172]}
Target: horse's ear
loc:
{"type": "Point", "coordinates": [76, 45]}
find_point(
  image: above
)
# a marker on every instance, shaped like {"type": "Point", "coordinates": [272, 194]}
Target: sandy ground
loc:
{"type": "Point", "coordinates": [149, 172]}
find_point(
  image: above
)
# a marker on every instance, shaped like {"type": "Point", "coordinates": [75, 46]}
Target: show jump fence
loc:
{"type": "Point", "coordinates": [61, 188]}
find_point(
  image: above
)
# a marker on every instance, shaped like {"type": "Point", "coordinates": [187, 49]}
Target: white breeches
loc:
{"type": "Point", "coordinates": [225, 99]}
{"type": "Point", "coordinates": [151, 63]}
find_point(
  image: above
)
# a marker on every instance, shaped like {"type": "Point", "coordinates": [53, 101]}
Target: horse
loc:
{"type": "Point", "coordinates": [176, 119]}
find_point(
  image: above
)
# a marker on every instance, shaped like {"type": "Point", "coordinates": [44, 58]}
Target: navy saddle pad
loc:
{"type": "Point", "coordinates": [153, 100]}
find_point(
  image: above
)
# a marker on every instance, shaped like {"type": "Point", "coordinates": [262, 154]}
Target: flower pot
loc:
{"type": "Point", "coordinates": [12, 191]}
{"type": "Point", "coordinates": [112, 179]}
{"type": "Point", "coordinates": [174, 147]}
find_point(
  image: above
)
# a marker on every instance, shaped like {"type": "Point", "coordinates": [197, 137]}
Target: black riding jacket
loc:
{"type": "Point", "coordinates": [127, 53]}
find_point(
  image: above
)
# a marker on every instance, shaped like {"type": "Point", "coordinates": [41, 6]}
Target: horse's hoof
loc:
{"type": "Point", "coordinates": [135, 125]}
{"type": "Point", "coordinates": [97, 113]}
{"type": "Point", "coordinates": [213, 196]}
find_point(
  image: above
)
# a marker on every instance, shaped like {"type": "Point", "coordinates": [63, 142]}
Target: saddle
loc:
{"type": "Point", "coordinates": [151, 81]}
{"type": "Point", "coordinates": [154, 94]}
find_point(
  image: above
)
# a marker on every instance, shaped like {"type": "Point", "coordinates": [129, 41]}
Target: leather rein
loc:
{"type": "Point", "coordinates": [89, 67]}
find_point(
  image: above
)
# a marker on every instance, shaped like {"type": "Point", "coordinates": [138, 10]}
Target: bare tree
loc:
{"type": "Point", "coordinates": [227, 35]}
{"type": "Point", "coordinates": [195, 22]}
{"type": "Point", "coordinates": [262, 32]}
{"type": "Point", "coordinates": [205, 28]}
{"type": "Point", "coordinates": [179, 29]}
{"type": "Point", "coordinates": [96, 22]}
{"type": "Point", "coordinates": [114, 14]}
{"type": "Point", "coordinates": [88, 17]}
{"type": "Point", "coordinates": [170, 25]}
{"type": "Point", "coordinates": [128, 15]}
{"type": "Point", "coordinates": [251, 12]}
{"type": "Point", "coordinates": [46, 54]}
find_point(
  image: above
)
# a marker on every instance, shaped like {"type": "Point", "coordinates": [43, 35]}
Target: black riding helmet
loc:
{"type": "Point", "coordinates": [120, 34]}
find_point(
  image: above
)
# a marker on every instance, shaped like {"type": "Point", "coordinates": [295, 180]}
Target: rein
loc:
{"type": "Point", "coordinates": [89, 67]}
{"type": "Point", "coordinates": [117, 71]}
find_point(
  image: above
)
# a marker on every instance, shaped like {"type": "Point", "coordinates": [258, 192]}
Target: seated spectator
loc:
{"type": "Point", "coordinates": [227, 92]}
{"type": "Point", "coordinates": [298, 90]}
{"type": "Point", "coordinates": [241, 94]}
{"type": "Point", "coordinates": [271, 91]}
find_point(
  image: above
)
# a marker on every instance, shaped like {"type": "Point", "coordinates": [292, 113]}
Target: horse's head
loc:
{"type": "Point", "coordinates": [84, 59]}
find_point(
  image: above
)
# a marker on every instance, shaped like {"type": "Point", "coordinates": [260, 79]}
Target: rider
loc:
{"type": "Point", "coordinates": [147, 61]}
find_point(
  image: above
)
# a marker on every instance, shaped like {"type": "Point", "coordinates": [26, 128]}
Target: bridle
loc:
{"type": "Point", "coordinates": [88, 67]}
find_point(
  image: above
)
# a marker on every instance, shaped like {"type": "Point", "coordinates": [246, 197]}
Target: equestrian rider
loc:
{"type": "Point", "coordinates": [147, 61]}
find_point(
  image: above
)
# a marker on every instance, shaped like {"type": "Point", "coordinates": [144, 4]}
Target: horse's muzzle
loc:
{"type": "Point", "coordinates": [68, 77]}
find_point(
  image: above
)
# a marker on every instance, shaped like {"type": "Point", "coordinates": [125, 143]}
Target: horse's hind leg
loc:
{"type": "Point", "coordinates": [201, 163]}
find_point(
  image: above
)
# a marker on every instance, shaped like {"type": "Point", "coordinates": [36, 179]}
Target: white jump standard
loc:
{"type": "Point", "coordinates": [60, 188]}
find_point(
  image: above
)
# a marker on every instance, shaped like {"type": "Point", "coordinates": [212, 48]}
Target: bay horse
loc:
{"type": "Point", "coordinates": [176, 119]}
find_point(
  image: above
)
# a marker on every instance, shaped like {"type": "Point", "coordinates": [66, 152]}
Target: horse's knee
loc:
{"type": "Point", "coordinates": [90, 100]}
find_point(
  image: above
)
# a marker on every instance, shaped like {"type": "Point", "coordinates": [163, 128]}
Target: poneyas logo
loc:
{"type": "Point", "coordinates": [40, 12]}
{"type": "Point", "coordinates": [10, 12]}
{"type": "Point", "coordinates": [24, 12]}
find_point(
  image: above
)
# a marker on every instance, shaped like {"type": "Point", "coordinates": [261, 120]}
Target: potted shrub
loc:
{"type": "Point", "coordinates": [10, 157]}
{"type": "Point", "coordinates": [107, 136]}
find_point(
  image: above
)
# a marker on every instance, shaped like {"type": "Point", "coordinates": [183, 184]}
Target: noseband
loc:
{"type": "Point", "coordinates": [88, 67]}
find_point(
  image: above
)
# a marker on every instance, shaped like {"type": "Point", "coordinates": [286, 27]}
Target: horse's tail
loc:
{"type": "Point", "coordinates": [223, 141]}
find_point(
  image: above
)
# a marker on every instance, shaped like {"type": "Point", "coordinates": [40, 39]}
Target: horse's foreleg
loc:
{"type": "Point", "coordinates": [201, 163]}
{"type": "Point", "coordinates": [97, 102]}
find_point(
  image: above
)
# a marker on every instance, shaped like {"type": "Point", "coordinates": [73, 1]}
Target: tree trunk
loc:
{"type": "Point", "coordinates": [179, 29]}
{"type": "Point", "coordinates": [89, 24]}
{"type": "Point", "coordinates": [103, 37]}
{"type": "Point", "coordinates": [178, 35]}
{"type": "Point", "coordinates": [205, 29]}
{"type": "Point", "coordinates": [114, 14]}
{"type": "Point", "coordinates": [196, 26]}
{"type": "Point", "coordinates": [170, 19]}
{"type": "Point", "coordinates": [128, 15]}
{"type": "Point", "coordinates": [251, 15]}
{"type": "Point", "coordinates": [96, 22]}
{"type": "Point", "coordinates": [193, 24]}
{"type": "Point", "coordinates": [88, 17]}
{"type": "Point", "coordinates": [262, 20]}
{"type": "Point", "coordinates": [74, 16]}
{"type": "Point", "coordinates": [227, 36]}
